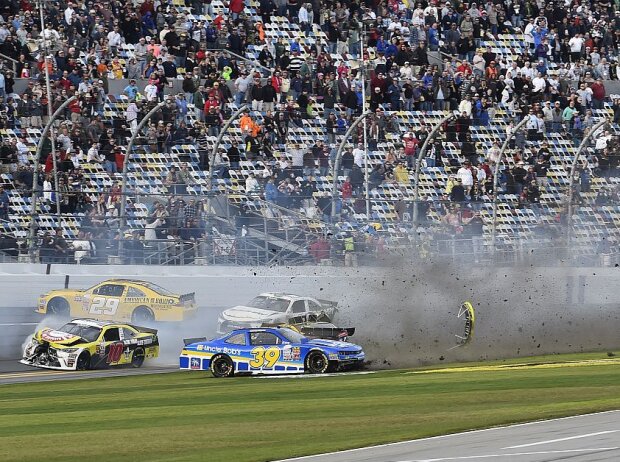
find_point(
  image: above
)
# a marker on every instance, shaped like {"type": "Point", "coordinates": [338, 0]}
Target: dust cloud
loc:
{"type": "Point", "coordinates": [408, 316]}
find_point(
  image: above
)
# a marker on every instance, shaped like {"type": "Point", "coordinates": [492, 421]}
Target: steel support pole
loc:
{"type": "Point", "coordinates": [48, 90]}
{"type": "Point", "coordinates": [35, 175]}
{"type": "Point", "coordinates": [418, 164]}
{"type": "Point", "coordinates": [216, 146]}
{"type": "Point", "coordinates": [496, 179]}
{"type": "Point", "coordinates": [571, 179]}
{"type": "Point", "coordinates": [132, 139]}
{"type": "Point", "coordinates": [336, 166]}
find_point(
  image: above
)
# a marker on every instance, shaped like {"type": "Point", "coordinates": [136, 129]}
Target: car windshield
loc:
{"type": "Point", "coordinates": [269, 303]}
{"type": "Point", "coordinates": [88, 333]}
{"type": "Point", "coordinates": [292, 336]}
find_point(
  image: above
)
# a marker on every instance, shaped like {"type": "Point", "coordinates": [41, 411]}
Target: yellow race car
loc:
{"type": "Point", "coordinates": [89, 344]}
{"type": "Point", "coordinates": [140, 302]}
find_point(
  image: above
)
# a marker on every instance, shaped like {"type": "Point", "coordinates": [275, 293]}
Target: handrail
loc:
{"type": "Point", "coordinates": [248, 60]}
{"type": "Point", "coordinates": [14, 61]}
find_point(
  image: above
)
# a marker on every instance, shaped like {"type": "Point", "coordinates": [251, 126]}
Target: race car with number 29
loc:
{"type": "Point", "coordinates": [275, 350]}
{"type": "Point", "coordinates": [140, 302]}
{"type": "Point", "coordinates": [90, 344]}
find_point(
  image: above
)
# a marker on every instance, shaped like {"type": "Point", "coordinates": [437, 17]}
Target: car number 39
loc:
{"type": "Point", "coordinates": [102, 305]}
{"type": "Point", "coordinates": [264, 358]}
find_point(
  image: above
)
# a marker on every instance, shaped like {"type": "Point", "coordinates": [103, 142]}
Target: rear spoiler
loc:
{"type": "Point", "coordinates": [146, 330]}
{"type": "Point", "coordinates": [187, 297]}
{"type": "Point", "coordinates": [327, 303]}
{"type": "Point", "coordinates": [327, 332]}
{"type": "Point", "coordinates": [189, 341]}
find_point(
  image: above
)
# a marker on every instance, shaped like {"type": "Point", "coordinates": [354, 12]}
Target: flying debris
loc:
{"type": "Point", "coordinates": [468, 315]}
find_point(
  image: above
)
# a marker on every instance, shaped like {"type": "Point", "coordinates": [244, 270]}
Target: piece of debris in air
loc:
{"type": "Point", "coordinates": [466, 314]}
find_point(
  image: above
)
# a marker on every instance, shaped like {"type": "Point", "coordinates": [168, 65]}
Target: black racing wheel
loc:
{"type": "Point", "coordinates": [316, 362]}
{"type": "Point", "coordinates": [137, 359]}
{"type": "Point", "coordinates": [58, 306]}
{"type": "Point", "coordinates": [83, 362]}
{"type": "Point", "coordinates": [222, 366]}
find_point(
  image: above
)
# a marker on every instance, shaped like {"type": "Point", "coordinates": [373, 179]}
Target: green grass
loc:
{"type": "Point", "coordinates": [193, 417]}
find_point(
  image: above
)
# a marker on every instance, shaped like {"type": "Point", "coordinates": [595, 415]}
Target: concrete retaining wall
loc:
{"type": "Point", "coordinates": [404, 316]}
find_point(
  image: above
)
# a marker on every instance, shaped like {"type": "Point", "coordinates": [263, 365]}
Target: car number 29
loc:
{"type": "Point", "coordinates": [106, 306]}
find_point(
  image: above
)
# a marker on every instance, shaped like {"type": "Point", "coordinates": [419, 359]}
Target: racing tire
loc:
{"type": "Point", "coordinates": [142, 315]}
{"type": "Point", "coordinates": [316, 362]}
{"type": "Point", "coordinates": [83, 362]}
{"type": "Point", "coordinates": [222, 366]}
{"type": "Point", "coordinates": [58, 306]}
{"type": "Point", "coordinates": [137, 359]}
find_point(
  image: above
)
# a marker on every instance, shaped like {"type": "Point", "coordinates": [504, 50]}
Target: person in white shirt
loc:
{"type": "Point", "coordinates": [81, 246]}
{"type": "Point", "coordinates": [359, 155]}
{"type": "Point", "coordinates": [539, 84]}
{"type": "Point", "coordinates": [466, 177]}
{"type": "Point", "coordinates": [115, 39]}
{"type": "Point", "coordinates": [131, 115]}
{"type": "Point", "coordinates": [92, 157]}
{"type": "Point", "coordinates": [150, 92]}
{"type": "Point", "coordinates": [465, 106]}
{"type": "Point", "coordinates": [303, 18]}
{"type": "Point", "coordinates": [69, 12]}
{"type": "Point", "coordinates": [527, 33]}
{"type": "Point", "coordinates": [576, 44]}
{"type": "Point", "coordinates": [251, 185]}
{"type": "Point", "coordinates": [406, 72]}
{"type": "Point", "coordinates": [65, 142]}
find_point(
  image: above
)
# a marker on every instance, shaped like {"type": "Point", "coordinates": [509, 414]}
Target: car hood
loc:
{"type": "Point", "coordinates": [59, 337]}
{"type": "Point", "coordinates": [334, 344]}
{"type": "Point", "coordinates": [249, 314]}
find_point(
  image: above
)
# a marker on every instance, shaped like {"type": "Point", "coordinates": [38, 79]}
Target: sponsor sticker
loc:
{"type": "Point", "coordinates": [195, 363]}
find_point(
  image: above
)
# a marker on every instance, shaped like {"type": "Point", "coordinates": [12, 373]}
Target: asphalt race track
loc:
{"type": "Point", "coordinates": [586, 438]}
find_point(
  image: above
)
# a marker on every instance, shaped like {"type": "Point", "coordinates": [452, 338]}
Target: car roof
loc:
{"type": "Point", "coordinates": [132, 281]}
{"type": "Point", "coordinates": [94, 323]}
{"type": "Point", "coordinates": [283, 294]}
{"type": "Point", "coordinates": [258, 329]}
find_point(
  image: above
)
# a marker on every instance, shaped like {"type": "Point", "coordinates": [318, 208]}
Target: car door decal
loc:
{"type": "Point", "coordinates": [104, 306]}
{"type": "Point", "coordinates": [264, 358]}
{"type": "Point", "coordinates": [115, 351]}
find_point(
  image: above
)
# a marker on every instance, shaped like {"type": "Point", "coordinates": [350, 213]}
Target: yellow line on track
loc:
{"type": "Point", "coordinates": [523, 366]}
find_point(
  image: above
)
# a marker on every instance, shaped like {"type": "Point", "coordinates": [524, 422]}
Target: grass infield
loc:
{"type": "Point", "coordinates": [189, 416]}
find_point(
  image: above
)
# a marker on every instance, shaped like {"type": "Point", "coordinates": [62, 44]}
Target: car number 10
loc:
{"type": "Point", "coordinates": [264, 358]}
{"type": "Point", "coordinates": [106, 306]}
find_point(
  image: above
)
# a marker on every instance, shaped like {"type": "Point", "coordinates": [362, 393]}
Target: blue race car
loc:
{"type": "Point", "coordinates": [268, 350]}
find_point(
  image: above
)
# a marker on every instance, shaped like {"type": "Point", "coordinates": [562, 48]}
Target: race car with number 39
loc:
{"type": "Point", "coordinates": [90, 344]}
{"type": "Point", "coordinates": [271, 350]}
{"type": "Point", "coordinates": [140, 302]}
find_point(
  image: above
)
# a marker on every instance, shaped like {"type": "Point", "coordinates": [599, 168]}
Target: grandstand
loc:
{"type": "Point", "coordinates": [238, 215]}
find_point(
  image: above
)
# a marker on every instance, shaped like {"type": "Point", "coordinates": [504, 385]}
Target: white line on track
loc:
{"type": "Point", "coordinates": [18, 324]}
{"type": "Point", "coordinates": [449, 435]}
{"type": "Point", "coordinates": [576, 437]}
{"type": "Point", "coordinates": [515, 454]}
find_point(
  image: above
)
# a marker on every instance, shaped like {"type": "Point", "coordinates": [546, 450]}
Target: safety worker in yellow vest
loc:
{"type": "Point", "coordinates": [350, 257]}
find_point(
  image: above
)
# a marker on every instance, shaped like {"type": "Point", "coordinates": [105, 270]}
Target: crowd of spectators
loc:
{"type": "Point", "coordinates": [180, 55]}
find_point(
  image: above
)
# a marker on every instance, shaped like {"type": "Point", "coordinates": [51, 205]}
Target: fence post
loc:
{"type": "Point", "coordinates": [418, 164]}
{"type": "Point", "coordinates": [216, 146]}
{"type": "Point", "coordinates": [571, 180]}
{"type": "Point", "coordinates": [496, 179]}
{"type": "Point", "coordinates": [35, 177]}
{"type": "Point", "coordinates": [336, 166]}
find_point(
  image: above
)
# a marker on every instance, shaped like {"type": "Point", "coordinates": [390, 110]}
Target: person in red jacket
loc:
{"type": "Point", "coordinates": [236, 7]}
{"type": "Point", "coordinates": [347, 189]}
{"type": "Point", "coordinates": [598, 94]}
{"type": "Point", "coordinates": [411, 147]}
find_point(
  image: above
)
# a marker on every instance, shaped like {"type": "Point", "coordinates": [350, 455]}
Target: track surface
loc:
{"type": "Point", "coordinates": [18, 323]}
{"type": "Point", "coordinates": [586, 438]}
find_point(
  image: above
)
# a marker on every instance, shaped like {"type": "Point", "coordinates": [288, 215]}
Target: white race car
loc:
{"type": "Point", "coordinates": [275, 308]}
